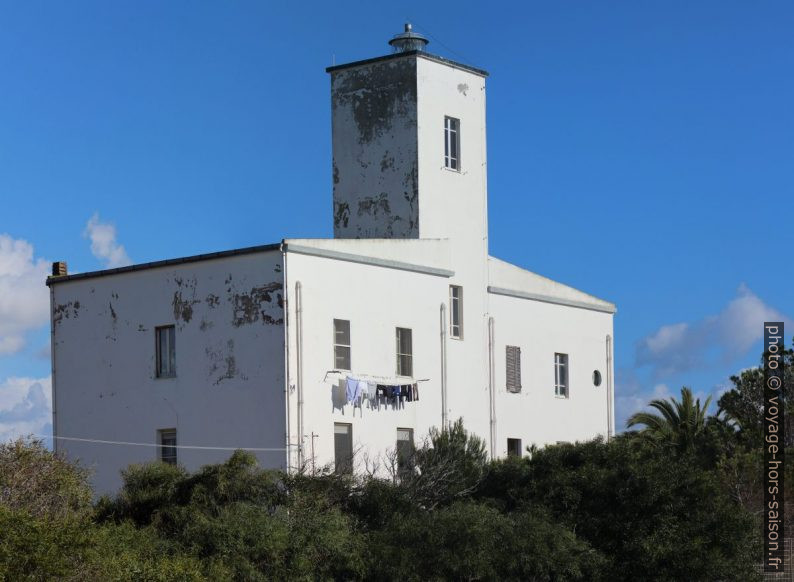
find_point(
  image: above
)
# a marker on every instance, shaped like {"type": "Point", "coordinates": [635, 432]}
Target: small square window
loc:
{"type": "Point", "coordinates": [513, 447]}
{"type": "Point", "coordinates": [167, 441]}
{"type": "Point", "coordinates": [456, 311]}
{"type": "Point", "coordinates": [452, 143]}
{"type": "Point", "coordinates": [341, 344]}
{"type": "Point", "coordinates": [513, 359]}
{"type": "Point", "coordinates": [561, 375]}
{"type": "Point", "coordinates": [343, 448]}
{"type": "Point", "coordinates": [405, 363]}
{"type": "Point", "coordinates": [166, 353]}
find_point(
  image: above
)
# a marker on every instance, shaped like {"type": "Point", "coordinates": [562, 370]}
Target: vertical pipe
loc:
{"type": "Point", "coordinates": [492, 385]}
{"type": "Point", "coordinates": [299, 357]}
{"type": "Point", "coordinates": [52, 372]}
{"type": "Point", "coordinates": [444, 408]}
{"type": "Point", "coordinates": [285, 287]}
{"type": "Point", "coordinates": [610, 426]}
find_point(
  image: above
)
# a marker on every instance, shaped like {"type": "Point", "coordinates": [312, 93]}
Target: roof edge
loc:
{"type": "Point", "coordinates": [168, 262]}
{"type": "Point", "coordinates": [422, 54]}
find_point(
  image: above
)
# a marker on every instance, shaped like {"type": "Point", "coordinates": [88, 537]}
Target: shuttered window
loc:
{"type": "Point", "coordinates": [341, 344]}
{"type": "Point", "coordinates": [513, 369]}
{"type": "Point", "coordinates": [343, 448]}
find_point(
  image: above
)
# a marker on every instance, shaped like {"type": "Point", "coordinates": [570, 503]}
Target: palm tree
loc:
{"type": "Point", "coordinates": [679, 424]}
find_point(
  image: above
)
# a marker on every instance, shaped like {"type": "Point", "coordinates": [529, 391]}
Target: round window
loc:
{"type": "Point", "coordinates": [596, 378]}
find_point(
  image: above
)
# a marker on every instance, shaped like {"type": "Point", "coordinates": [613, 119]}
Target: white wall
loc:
{"type": "Point", "coordinates": [375, 300]}
{"type": "Point", "coordinates": [536, 415]}
{"type": "Point", "coordinates": [229, 387]}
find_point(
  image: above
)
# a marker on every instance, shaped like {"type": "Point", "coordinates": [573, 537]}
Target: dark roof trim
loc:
{"type": "Point", "coordinates": [166, 263]}
{"type": "Point", "coordinates": [422, 54]}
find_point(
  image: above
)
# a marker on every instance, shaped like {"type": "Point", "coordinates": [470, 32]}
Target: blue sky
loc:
{"type": "Point", "coordinates": [639, 151]}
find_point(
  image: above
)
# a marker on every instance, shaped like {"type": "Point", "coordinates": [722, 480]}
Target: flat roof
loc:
{"type": "Point", "coordinates": [168, 262]}
{"type": "Point", "coordinates": [422, 54]}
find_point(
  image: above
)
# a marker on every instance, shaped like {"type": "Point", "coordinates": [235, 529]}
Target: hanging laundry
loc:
{"type": "Point", "coordinates": [362, 388]}
{"type": "Point", "coordinates": [350, 392]}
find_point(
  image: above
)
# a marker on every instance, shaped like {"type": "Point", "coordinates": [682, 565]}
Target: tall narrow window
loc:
{"type": "Point", "coordinates": [452, 143]}
{"type": "Point", "coordinates": [513, 447]}
{"type": "Point", "coordinates": [456, 311]}
{"type": "Point", "coordinates": [561, 375]}
{"type": "Point", "coordinates": [166, 355]}
{"type": "Point", "coordinates": [343, 448]}
{"type": "Point", "coordinates": [405, 451]}
{"type": "Point", "coordinates": [167, 442]}
{"type": "Point", "coordinates": [405, 358]}
{"type": "Point", "coordinates": [513, 358]}
{"type": "Point", "coordinates": [341, 344]}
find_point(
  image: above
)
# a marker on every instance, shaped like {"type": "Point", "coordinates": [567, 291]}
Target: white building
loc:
{"type": "Point", "coordinates": [252, 348]}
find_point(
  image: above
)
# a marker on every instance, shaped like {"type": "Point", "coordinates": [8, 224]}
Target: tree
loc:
{"type": "Point", "coordinates": [743, 405]}
{"type": "Point", "coordinates": [45, 511]}
{"type": "Point", "coordinates": [679, 424]}
{"type": "Point", "coordinates": [649, 512]}
{"type": "Point", "coordinates": [450, 465]}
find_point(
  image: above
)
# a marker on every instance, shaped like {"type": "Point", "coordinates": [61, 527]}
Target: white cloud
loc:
{"type": "Point", "coordinates": [726, 336]}
{"type": "Point", "coordinates": [24, 301]}
{"type": "Point", "coordinates": [25, 407]}
{"type": "Point", "coordinates": [103, 243]}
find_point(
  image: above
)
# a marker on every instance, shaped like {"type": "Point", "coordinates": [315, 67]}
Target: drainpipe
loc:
{"type": "Point", "coordinates": [285, 287]}
{"type": "Point", "coordinates": [444, 408]}
{"type": "Point", "coordinates": [52, 372]}
{"type": "Point", "coordinates": [299, 357]}
{"type": "Point", "coordinates": [609, 387]}
{"type": "Point", "coordinates": [491, 385]}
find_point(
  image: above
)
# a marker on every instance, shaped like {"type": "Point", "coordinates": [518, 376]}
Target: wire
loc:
{"type": "Point", "coordinates": [104, 442]}
{"type": "Point", "coordinates": [435, 39]}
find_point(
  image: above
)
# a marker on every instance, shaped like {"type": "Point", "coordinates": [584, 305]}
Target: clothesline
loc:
{"type": "Point", "coordinates": [394, 380]}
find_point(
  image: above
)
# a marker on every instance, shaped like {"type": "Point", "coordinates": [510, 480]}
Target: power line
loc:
{"type": "Point", "coordinates": [105, 442]}
{"type": "Point", "coordinates": [435, 39]}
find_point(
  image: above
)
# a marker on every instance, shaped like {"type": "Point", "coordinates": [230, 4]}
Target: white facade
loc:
{"type": "Point", "coordinates": [254, 335]}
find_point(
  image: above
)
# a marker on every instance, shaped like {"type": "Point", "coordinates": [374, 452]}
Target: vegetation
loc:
{"type": "Point", "coordinates": [677, 500]}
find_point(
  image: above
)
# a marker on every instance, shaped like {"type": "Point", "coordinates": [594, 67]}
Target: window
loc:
{"type": "Point", "coordinates": [167, 441]}
{"type": "Point", "coordinates": [513, 369]}
{"type": "Point", "coordinates": [596, 378]}
{"type": "Point", "coordinates": [456, 311]}
{"type": "Point", "coordinates": [405, 451]}
{"type": "Point", "coordinates": [561, 375]}
{"type": "Point", "coordinates": [513, 447]}
{"type": "Point", "coordinates": [343, 448]}
{"type": "Point", "coordinates": [341, 344]}
{"type": "Point", "coordinates": [405, 358]}
{"type": "Point", "coordinates": [452, 143]}
{"type": "Point", "coordinates": [164, 338]}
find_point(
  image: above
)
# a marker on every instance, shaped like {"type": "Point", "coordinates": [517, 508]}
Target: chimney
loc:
{"type": "Point", "coordinates": [59, 269]}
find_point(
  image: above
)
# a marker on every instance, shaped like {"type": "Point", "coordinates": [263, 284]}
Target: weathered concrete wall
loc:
{"type": "Point", "coordinates": [373, 116]}
{"type": "Point", "coordinates": [229, 385]}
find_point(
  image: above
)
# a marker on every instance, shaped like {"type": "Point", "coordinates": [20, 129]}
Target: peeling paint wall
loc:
{"type": "Point", "coordinates": [229, 338]}
{"type": "Point", "coordinates": [375, 168]}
